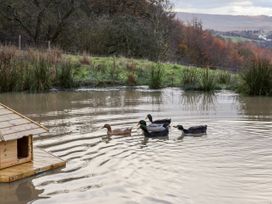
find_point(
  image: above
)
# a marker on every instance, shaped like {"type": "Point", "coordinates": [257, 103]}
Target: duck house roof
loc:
{"type": "Point", "coordinates": [14, 125]}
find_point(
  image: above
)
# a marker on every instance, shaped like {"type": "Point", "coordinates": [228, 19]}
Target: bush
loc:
{"type": "Point", "coordinates": [27, 70]}
{"type": "Point", "coordinates": [156, 76]}
{"type": "Point", "coordinates": [65, 75]}
{"type": "Point", "coordinates": [6, 64]}
{"type": "Point", "coordinates": [189, 79]}
{"type": "Point", "coordinates": [40, 75]}
{"type": "Point", "coordinates": [199, 79]}
{"type": "Point", "coordinates": [257, 78]}
{"type": "Point", "coordinates": [224, 77]}
{"type": "Point", "coordinates": [207, 81]}
{"type": "Point", "coordinates": [131, 77]}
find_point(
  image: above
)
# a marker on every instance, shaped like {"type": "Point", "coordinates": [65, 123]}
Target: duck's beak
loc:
{"type": "Point", "coordinates": [138, 126]}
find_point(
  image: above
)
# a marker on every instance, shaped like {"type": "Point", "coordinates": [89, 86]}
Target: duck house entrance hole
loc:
{"type": "Point", "coordinates": [22, 147]}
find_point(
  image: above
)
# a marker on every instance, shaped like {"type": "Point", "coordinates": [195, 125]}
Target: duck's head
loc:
{"type": "Point", "coordinates": [107, 126]}
{"type": "Point", "coordinates": [149, 116]}
{"type": "Point", "coordinates": [142, 125]}
{"type": "Point", "coordinates": [142, 122]}
{"type": "Point", "coordinates": [180, 127]}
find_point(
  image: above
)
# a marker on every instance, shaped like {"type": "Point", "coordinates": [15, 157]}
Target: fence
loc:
{"type": "Point", "coordinates": [23, 43]}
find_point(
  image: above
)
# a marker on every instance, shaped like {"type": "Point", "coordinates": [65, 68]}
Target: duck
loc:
{"type": "Point", "coordinates": [162, 133]}
{"type": "Point", "coordinates": [153, 127]}
{"type": "Point", "coordinates": [123, 131]}
{"type": "Point", "coordinates": [195, 130]}
{"type": "Point", "coordinates": [162, 121]}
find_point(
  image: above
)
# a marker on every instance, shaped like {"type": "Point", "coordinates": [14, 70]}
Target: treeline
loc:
{"type": "Point", "coordinates": [140, 29]}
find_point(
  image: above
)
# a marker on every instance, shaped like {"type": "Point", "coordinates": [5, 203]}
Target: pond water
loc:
{"type": "Point", "coordinates": [231, 164]}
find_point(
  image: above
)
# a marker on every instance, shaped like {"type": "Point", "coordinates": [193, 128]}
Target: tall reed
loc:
{"type": "Point", "coordinates": [156, 76]}
{"type": "Point", "coordinates": [189, 78]}
{"type": "Point", "coordinates": [27, 70]}
{"type": "Point", "coordinates": [207, 81]}
{"type": "Point", "coordinates": [65, 77]}
{"type": "Point", "coordinates": [257, 78]}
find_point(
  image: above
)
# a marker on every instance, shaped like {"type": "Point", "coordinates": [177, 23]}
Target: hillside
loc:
{"type": "Point", "coordinates": [229, 23]}
{"type": "Point", "coordinates": [133, 29]}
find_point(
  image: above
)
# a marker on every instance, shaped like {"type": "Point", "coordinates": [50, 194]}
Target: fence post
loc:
{"type": "Point", "coordinates": [49, 45]}
{"type": "Point", "coordinates": [20, 42]}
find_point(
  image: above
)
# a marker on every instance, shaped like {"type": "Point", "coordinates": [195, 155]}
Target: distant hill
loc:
{"type": "Point", "coordinates": [226, 23]}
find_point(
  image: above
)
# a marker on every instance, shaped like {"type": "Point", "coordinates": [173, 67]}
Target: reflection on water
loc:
{"type": "Point", "coordinates": [259, 107]}
{"type": "Point", "coordinates": [231, 164]}
{"type": "Point", "coordinates": [199, 101]}
{"type": "Point", "coordinates": [19, 192]}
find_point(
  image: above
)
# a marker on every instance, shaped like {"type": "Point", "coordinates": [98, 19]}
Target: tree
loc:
{"type": "Point", "coordinates": [38, 19]}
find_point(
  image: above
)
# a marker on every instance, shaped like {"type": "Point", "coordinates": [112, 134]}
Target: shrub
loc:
{"type": "Point", "coordinates": [65, 75]}
{"type": "Point", "coordinates": [156, 76]}
{"type": "Point", "coordinates": [224, 77]}
{"type": "Point", "coordinates": [27, 70]}
{"type": "Point", "coordinates": [40, 75]}
{"type": "Point", "coordinates": [257, 78]}
{"type": "Point", "coordinates": [114, 71]}
{"type": "Point", "coordinates": [131, 78]}
{"type": "Point", "coordinates": [207, 81]}
{"type": "Point", "coordinates": [189, 79]}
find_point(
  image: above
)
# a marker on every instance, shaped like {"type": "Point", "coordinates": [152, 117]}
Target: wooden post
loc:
{"type": "Point", "coordinates": [49, 45]}
{"type": "Point", "coordinates": [20, 42]}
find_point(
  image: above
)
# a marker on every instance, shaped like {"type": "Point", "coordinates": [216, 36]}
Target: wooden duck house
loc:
{"type": "Point", "coordinates": [18, 159]}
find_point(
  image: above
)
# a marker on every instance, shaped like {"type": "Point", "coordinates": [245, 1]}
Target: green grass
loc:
{"type": "Point", "coordinates": [236, 39]}
{"type": "Point", "coordinates": [34, 70]}
{"type": "Point", "coordinates": [124, 71]}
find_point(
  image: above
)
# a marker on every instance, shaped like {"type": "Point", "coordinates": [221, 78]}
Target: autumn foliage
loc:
{"type": "Point", "coordinates": [138, 29]}
{"type": "Point", "coordinates": [200, 47]}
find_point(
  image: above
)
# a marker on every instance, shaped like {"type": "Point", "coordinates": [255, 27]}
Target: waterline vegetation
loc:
{"type": "Point", "coordinates": [256, 78]}
{"type": "Point", "coordinates": [35, 71]}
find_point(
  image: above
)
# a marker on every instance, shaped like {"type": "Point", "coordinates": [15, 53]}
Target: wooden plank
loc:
{"type": "Point", "coordinates": [11, 123]}
{"type": "Point", "coordinates": [17, 129]}
{"type": "Point", "coordinates": [5, 112]}
{"type": "Point", "coordinates": [15, 112]}
{"type": "Point", "coordinates": [9, 154]}
{"type": "Point", "coordinates": [17, 135]}
{"type": "Point", "coordinates": [9, 117]}
{"type": "Point", "coordinates": [1, 147]}
{"type": "Point", "coordinates": [43, 161]}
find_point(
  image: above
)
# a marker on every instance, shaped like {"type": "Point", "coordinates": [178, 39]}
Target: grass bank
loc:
{"type": "Point", "coordinates": [99, 71]}
{"type": "Point", "coordinates": [35, 70]}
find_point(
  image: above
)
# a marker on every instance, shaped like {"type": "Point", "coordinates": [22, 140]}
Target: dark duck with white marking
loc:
{"type": "Point", "coordinates": [195, 130]}
{"type": "Point", "coordinates": [154, 127]}
{"type": "Point", "coordinates": [159, 131]}
{"type": "Point", "coordinates": [162, 121]}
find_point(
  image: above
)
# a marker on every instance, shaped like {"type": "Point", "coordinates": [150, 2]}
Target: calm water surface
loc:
{"type": "Point", "coordinates": [231, 164]}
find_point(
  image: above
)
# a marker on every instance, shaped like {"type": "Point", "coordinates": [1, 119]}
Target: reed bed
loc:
{"type": "Point", "coordinates": [257, 78]}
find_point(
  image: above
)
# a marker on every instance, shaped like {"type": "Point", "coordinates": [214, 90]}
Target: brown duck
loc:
{"type": "Point", "coordinates": [123, 131]}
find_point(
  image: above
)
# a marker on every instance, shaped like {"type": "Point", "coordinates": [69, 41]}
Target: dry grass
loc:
{"type": "Point", "coordinates": [28, 70]}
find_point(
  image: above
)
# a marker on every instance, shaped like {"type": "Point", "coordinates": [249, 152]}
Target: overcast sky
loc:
{"type": "Point", "coordinates": [232, 7]}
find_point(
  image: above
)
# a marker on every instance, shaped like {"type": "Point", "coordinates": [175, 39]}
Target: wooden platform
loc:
{"type": "Point", "coordinates": [43, 161]}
